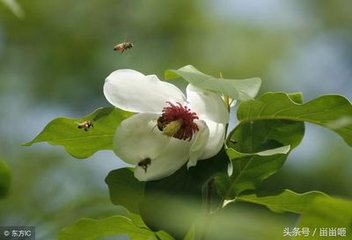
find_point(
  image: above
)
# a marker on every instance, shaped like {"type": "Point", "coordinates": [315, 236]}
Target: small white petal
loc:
{"type": "Point", "coordinates": [138, 138]}
{"type": "Point", "coordinates": [199, 143]}
{"type": "Point", "coordinates": [133, 91]}
{"type": "Point", "coordinates": [207, 104]}
{"type": "Point", "coordinates": [173, 156]}
{"type": "Point", "coordinates": [215, 140]}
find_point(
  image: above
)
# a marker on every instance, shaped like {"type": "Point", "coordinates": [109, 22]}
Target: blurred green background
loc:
{"type": "Point", "coordinates": [55, 55]}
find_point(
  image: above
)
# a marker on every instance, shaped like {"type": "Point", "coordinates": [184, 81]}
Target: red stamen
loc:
{"type": "Point", "coordinates": [182, 114]}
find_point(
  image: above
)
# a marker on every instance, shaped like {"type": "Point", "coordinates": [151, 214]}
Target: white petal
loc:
{"type": "Point", "coordinates": [215, 140]}
{"type": "Point", "coordinates": [173, 156]}
{"type": "Point", "coordinates": [132, 91]}
{"type": "Point", "coordinates": [138, 138]}
{"type": "Point", "coordinates": [199, 143]}
{"type": "Point", "coordinates": [207, 104]}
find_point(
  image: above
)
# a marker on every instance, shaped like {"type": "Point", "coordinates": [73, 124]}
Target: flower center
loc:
{"type": "Point", "coordinates": [177, 121]}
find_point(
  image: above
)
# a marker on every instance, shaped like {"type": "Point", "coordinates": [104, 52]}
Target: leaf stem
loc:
{"type": "Point", "coordinates": [228, 102]}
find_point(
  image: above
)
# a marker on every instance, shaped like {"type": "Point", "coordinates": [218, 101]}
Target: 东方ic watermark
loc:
{"type": "Point", "coordinates": [17, 233]}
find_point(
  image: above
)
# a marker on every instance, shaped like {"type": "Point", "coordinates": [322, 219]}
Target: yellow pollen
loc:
{"type": "Point", "coordinates": [172, 128]}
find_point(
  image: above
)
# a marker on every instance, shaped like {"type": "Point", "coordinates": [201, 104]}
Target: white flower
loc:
{"type": "Point", "coordinates": [168, 129]}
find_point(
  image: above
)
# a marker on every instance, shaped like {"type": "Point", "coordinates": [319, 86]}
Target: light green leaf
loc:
{"type": "Point", "coordinates": [233, 154]}
{"type": "Point", "coordinates": [162, 235]}
{"type": "Point", "coordinates": [285, 201]}
{"type": "Point", "coordinates": [241, 89]}
{"type": "Point", "coordinates": [78, 142]}
{"type": "Point", "coordinates": [136, 219]}
{"type": "Point", "coordinates": [5, 179]}
{"type": "Point", "coordinates": [331, 214]}
{"type": "Point", "coordinates": [125, 189]}
{"type": "Point", "coordinates": [330, 111]}
{"type": "Point", "coordinates": [14, 7]}
{"type": "Point", "coordinates": [90, 229]}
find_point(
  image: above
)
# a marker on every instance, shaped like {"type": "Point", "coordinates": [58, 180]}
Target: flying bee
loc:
{"type": "Point", "coordinates": [86, 125]}
{"type": "Point", "coordinates": [121, 47]}
{"type": "Point", "coordinates": [145, 163]}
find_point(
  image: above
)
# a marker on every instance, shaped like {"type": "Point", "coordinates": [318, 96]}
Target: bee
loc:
{"type": "Point", "coordinates": [145, 163]}
{"type": "Point", "coordinates": [160, 123]}
{"type": "Point", "coordinates": [85, 125]}
{"type": "Point", "coordinates": [121, 47]}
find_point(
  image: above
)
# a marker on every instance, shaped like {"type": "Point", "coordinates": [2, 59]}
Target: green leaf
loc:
{"type": "Point", "coordinates": [272, 121]}
{"type": "Point", "coordinates": [136, 219]}
{"type": "Point", "coordinates": [247, 174]}
{"type": "Point", "coordinates": [162, 235]}
{"type": "Point", "coordinates": [241, 89]}
{"type": "Point", "coordinates": [15, 8]}
{"type": "Point", "coordinates": [330, 111]}
{"type": "Point", "coordinates": [5, 179]}
{"type": "Point", "coordinates": [191, 234]}
{"type": "Point", "coordinates": [125, 189]}
{"type": "Point", "coordinates": [233, 154]}
{"type": "Point", "coordinates": [257, 150]}
{"type": "Point", "coordinates": [90, 229]}
{"type": "Point", "coordinates": [248, 170]}
{"type": "Point", "coordinates": [285, 201]}
{"type": "Point", "coordinates": [271, 137]}
{"type": "Point", "coordinates": [330, 214]}
{"type": "Point", "coordinates": [78, 142]}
